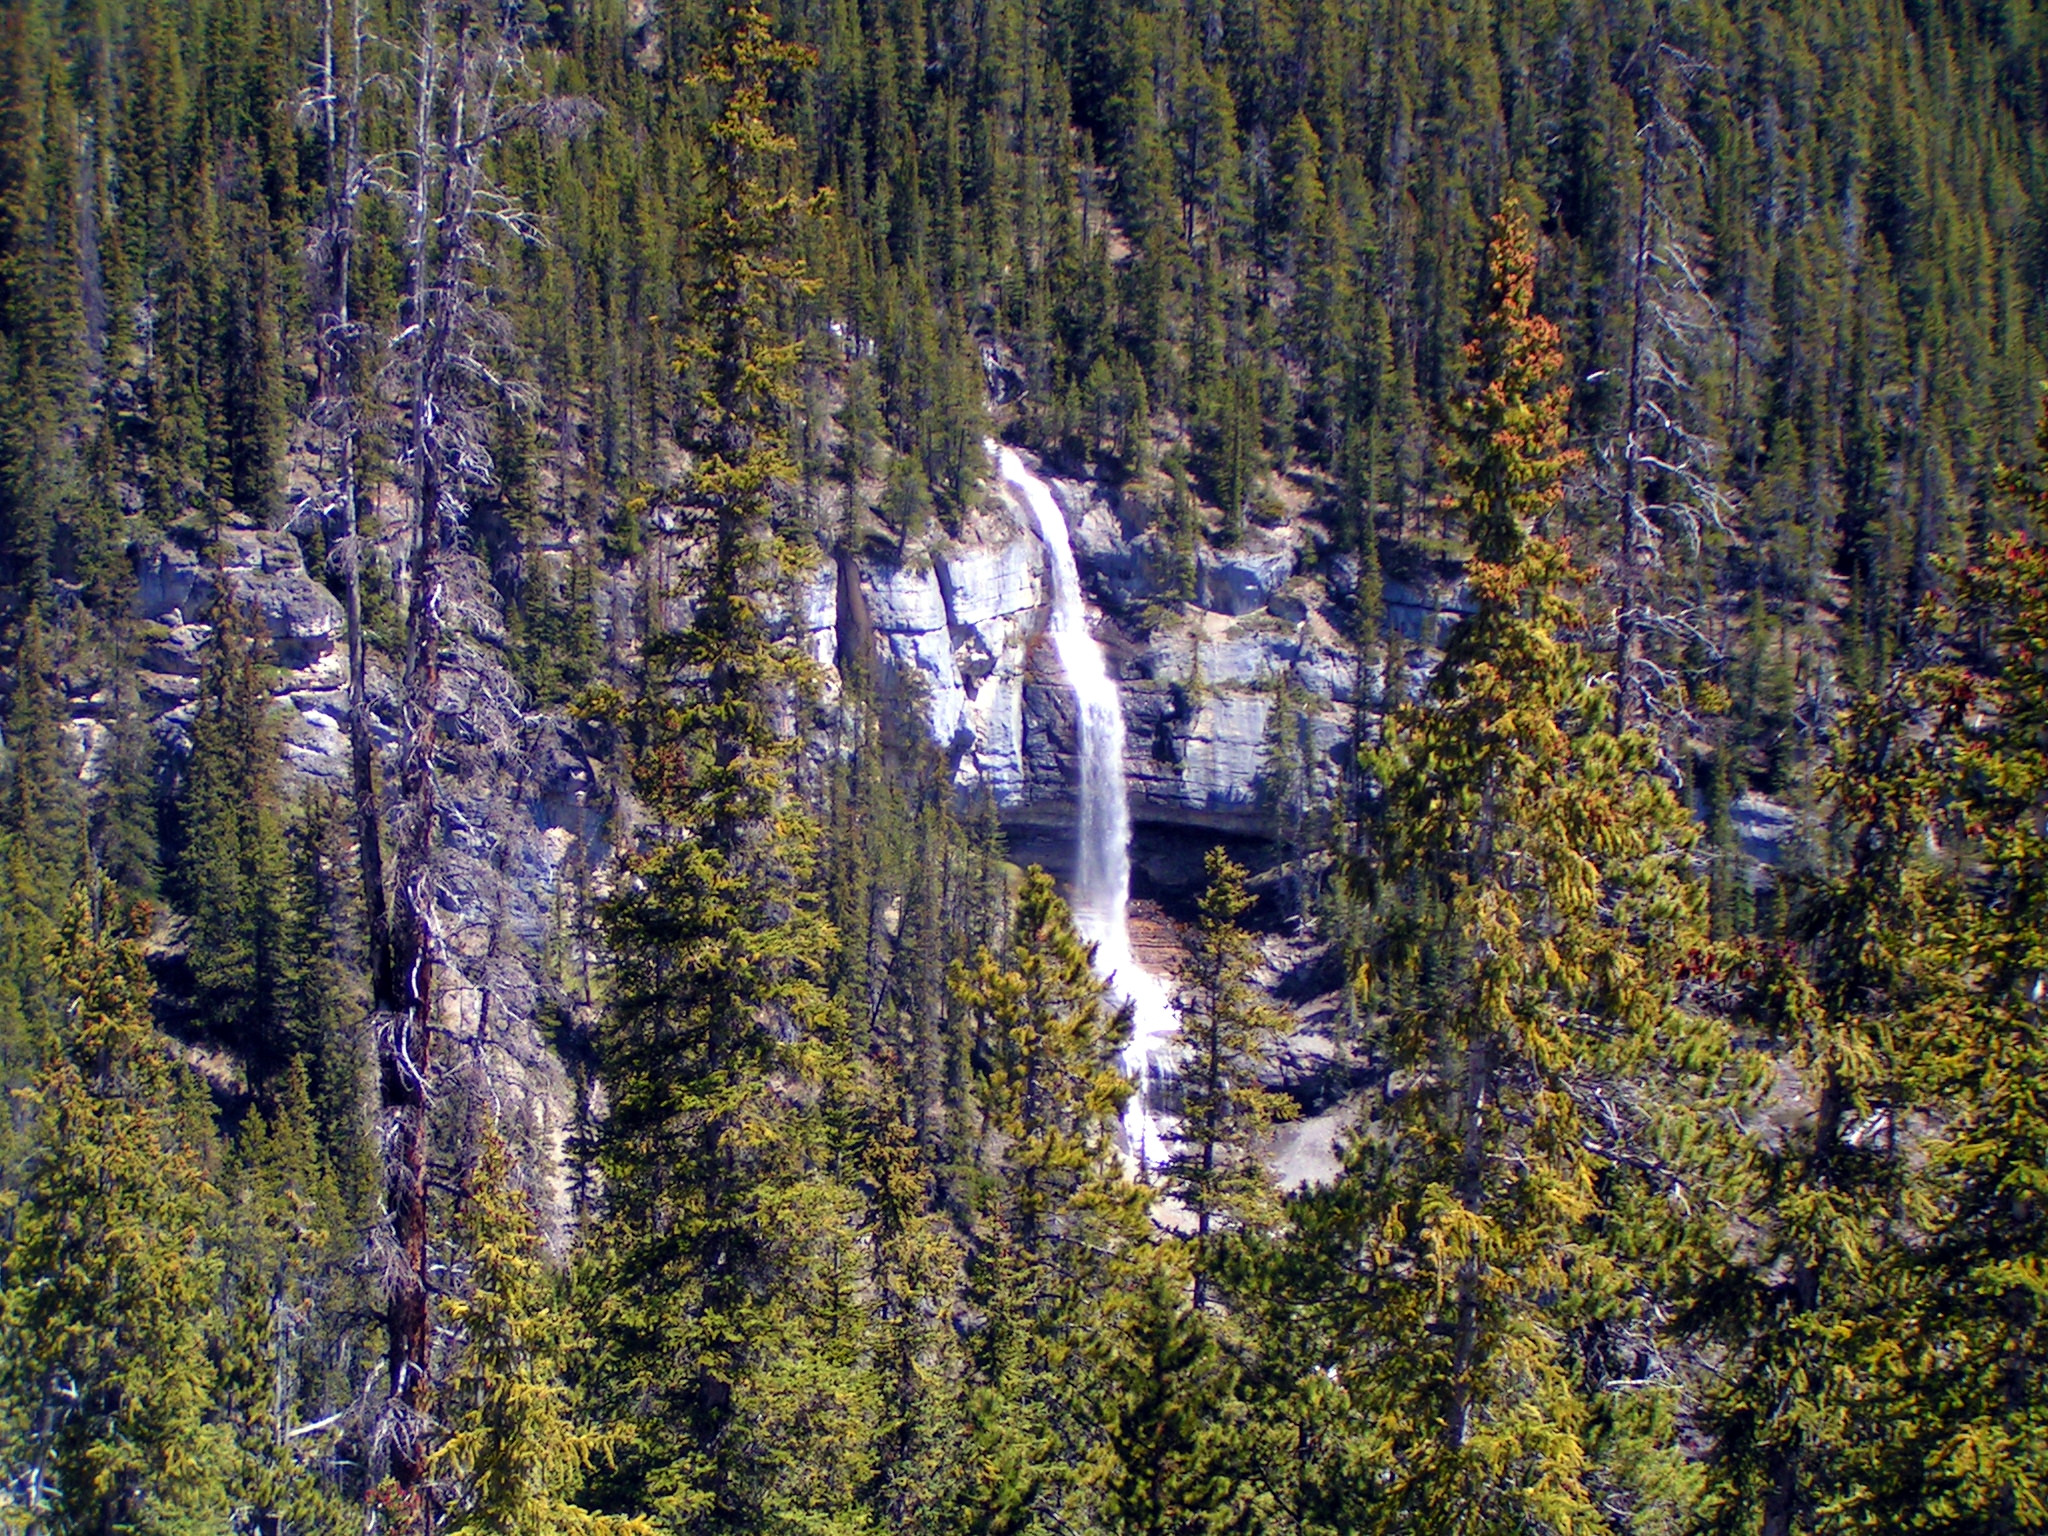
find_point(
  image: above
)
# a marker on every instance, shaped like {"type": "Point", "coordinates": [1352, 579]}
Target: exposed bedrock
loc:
{"type": "Point", "coordinates": [1251, 682]}
{"type": "Point", "coordinates": [961, 630]}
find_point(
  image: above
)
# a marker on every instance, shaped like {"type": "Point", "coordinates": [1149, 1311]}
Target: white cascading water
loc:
{"type": "Point", "coordinates": [1102, 875]}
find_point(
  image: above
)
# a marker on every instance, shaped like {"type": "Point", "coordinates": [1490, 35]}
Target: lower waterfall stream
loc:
{"type": "Point", "coordinates": [1102, 874]}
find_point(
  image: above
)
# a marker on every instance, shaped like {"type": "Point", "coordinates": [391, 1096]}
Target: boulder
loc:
{"type": "Point", "coordinates": [1304, 1153]}
{"type": "Point", "coordinates": [170, 579]}
{"type": "Point", "coordinates": [1289, 607]}
{"type": "Point", "coordinates": [179, 651]}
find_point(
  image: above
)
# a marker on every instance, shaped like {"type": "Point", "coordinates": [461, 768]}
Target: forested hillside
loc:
{"type": "Point", "coordinates": [528, 998]}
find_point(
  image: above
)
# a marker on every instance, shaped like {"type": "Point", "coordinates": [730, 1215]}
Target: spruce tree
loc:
{"type": "Point", "coordinates": [1057, 1219]}
{"type": "Point", "coordinates": [1545, 868]}
{"type": "Point", "coordinates": [232, 870]}
{"type": "Point", "coordinates": [1052, 1085]}
{"type": "Point", "coordinates": [39, 797]}
{"type": "Point", "coordinates": [107, 1281]}
{"type": "Point", "coordinates": [1227, 1035]}
{"type": "Point", "coordinates": [724, 1264]}
{"type": "Point", "coordinates": [1976, 1412]}
{"type": "Point", "coordinates": [39, 852]}
{"type": "Point", "coordinates": [286, 1310]}
{"type": "Point", "coordinates": [1163, 1386]}
{"type": "Point", "coordinates": [516, 1450]}
{"type": "Point", "coordinates": [1879, 1325]}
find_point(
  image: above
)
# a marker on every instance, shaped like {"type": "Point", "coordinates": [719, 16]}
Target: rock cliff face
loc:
{"type": "Point", "coordinates": [1200, 690]}
{"type": "Point", "coordinates": [524, 812]}
{"type": "Point", "coordinates": [528, 808]}
{"type": "Point", "coordinates": [1223, 698]}
{"type": "Point", "coordinates": [957, 627]}
{"type": "Point", "coordinates": [177, 586]}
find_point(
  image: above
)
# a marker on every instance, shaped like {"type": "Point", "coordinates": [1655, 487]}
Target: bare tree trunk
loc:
{"type": "Point", "coordinates": [1472, 1193]}
{"type": "Point", "coordinates": [407, 1048]}
{"type": "Point", "coordinates": [337, 356]}
{"type": "Point", "coordinates": [1628, 616]}
{"type": "Point", "coordinates": [454, 120]}
{"type": "Point", "coordinates": [405, 1042]}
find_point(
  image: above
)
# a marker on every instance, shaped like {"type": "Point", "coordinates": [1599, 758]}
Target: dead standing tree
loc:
{"type": "Point", "coordinates": [335, 105]}
{"type": "Point", "coordinates": [467, 68]}
{"type": "Point", "coordinates": [1665, 484]}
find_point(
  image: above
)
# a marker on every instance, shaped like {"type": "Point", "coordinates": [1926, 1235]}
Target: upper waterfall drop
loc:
{"type": "Point", "coordinates": [1102, 876]}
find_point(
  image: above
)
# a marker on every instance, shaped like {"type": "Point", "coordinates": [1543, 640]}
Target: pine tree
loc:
{"type": "Point", "coordinates": [1052, 1085]}
{"type": "Point", "coordinates": [107, 1282]}
{"type": "Point", "coordinates": [232, 870]}
{"type": "Point", "coordinates": [39, 849]}
{"type": "Point", "coordinates": [325, 1018]}
{"type": "Point", "coordinates": [516, 1450]}
{"type": "Point", "coordinates": [287, 1254]}
{"type": "Point", "coordinates": [1975, 1416]}
{"type": "Point", "coordinates": [1057, 1218]}
{"type": "Point", "coordinates": [1163, 1387]}
{"type": "Point", "coordinates": [724, 1268]}
{"type": "Point", "coordinates": [1227, 1034]}
{"type": "Point", "coordinates": [1791, 1266]}
{"type": "Point", "coordinates": [1880, 1327]}
{"type": "Point", "coordinates": [41, 341]}
{"type": "Point", "coordinates": [40, 811]}
{"type": "Point", "coordinates": [1544, 868]}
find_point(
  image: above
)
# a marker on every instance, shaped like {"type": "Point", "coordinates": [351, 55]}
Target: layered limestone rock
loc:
{"type": "Point", "coordinates": [1200, 691]}
{"type": "Point", "coordinates": [907, 610]}
{"type": "Point", "coordinates": [1250, 686]}
{"type": "Point", "coordinates": [525, 810]}
{"type": "Point", "coordinates": [177, 585]}
{"type": "Point", "coordinates": [529, 813]}
{"type": "Point", "coordinates": [995, 593]}
{"type": "Point", "coordinates": [1243, 580]}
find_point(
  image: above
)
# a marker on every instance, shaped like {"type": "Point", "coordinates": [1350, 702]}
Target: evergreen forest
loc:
{"type": "Point", "coordinates": [538, 998]}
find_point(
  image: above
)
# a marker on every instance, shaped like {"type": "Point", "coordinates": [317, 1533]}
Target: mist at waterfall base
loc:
{"type": "Point", "coordinates": [1102, 874]}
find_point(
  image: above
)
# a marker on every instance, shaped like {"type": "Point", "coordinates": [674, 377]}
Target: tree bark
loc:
{"type": "Point", "coordinates": [343, 122]}
{"type": "Point", "coordinates": [1627, 619]}
{"type": "Point", "coordinates": [1471, 1193]}
{"type": "Point", "coordinates": [405, 1043]}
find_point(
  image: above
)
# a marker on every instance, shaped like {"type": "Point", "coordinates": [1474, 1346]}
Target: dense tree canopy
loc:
{"type": "Point", "coordinates": [1689, 350]}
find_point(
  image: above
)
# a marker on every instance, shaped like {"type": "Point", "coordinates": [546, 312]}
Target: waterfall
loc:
{"type": "Point", "coordinates": [1102, 875]}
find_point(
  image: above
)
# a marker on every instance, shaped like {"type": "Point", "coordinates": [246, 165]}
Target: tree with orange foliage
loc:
{"type": "Point", "coordinates": [1527, 869]}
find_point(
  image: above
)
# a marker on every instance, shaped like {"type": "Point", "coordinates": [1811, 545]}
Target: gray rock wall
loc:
{"type": "Point", "coordinates": [962, 633]}
{"type": "Point", "coordinates": [529, 815]}
{"type": "Point", "coordinates": [525, 810]}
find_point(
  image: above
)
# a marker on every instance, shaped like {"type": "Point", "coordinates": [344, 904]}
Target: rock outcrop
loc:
{"type": "Point", "coordinates": [956, 631]}
{"type": "Point", "coordinates": [177, 586]}
{"type": "Point", "coordinates": [525, 811]}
